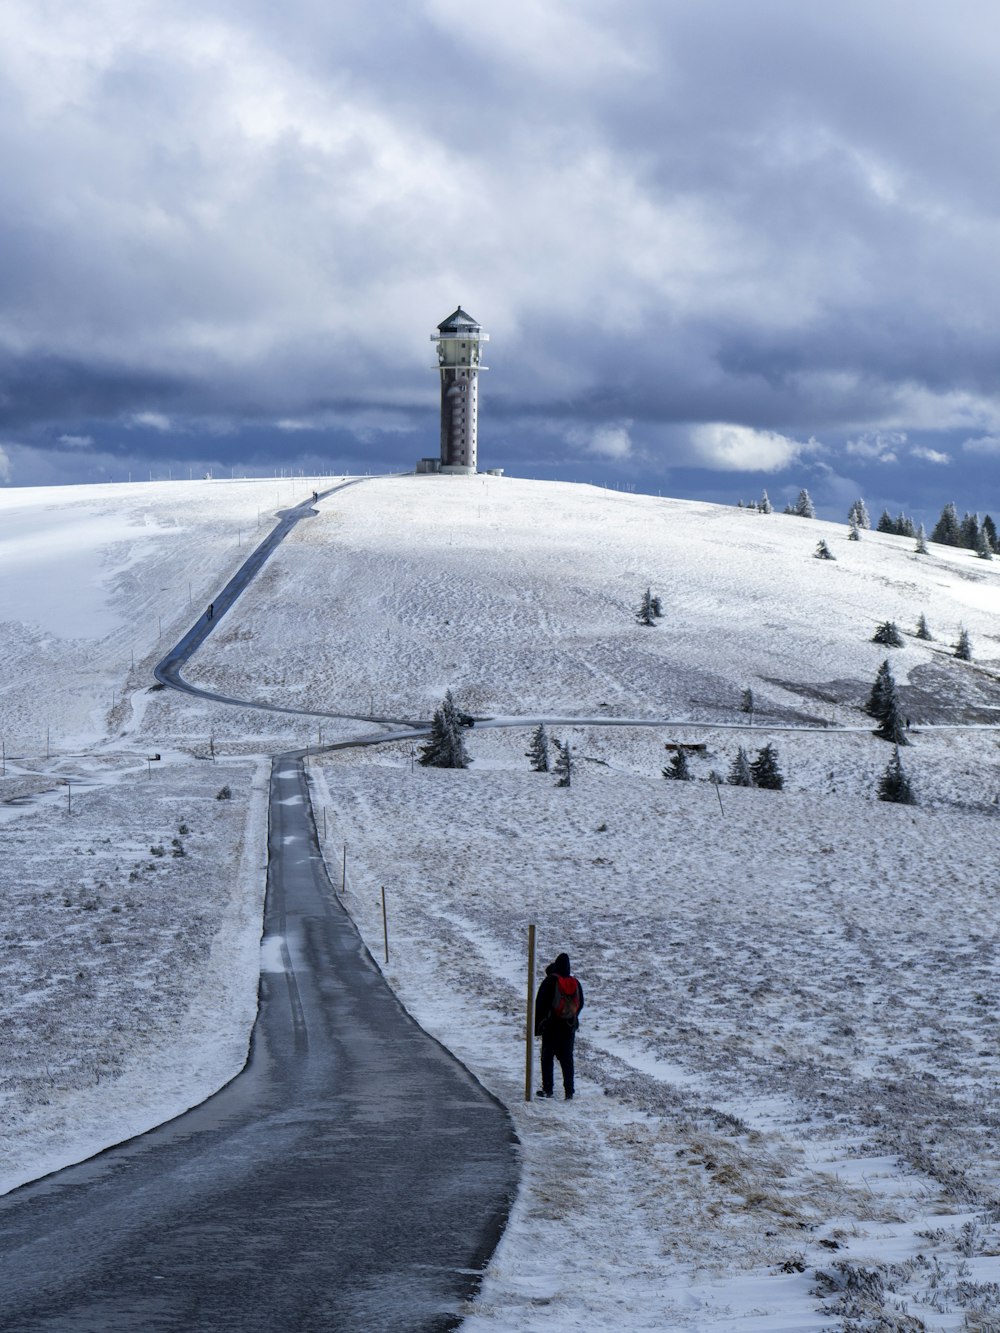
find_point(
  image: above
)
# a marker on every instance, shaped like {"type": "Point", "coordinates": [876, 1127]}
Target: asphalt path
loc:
{"type": "Point", "coordinates": [354, 1176]}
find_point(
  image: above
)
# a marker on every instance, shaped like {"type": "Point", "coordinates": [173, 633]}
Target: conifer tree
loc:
{"type": "Point", "coordinates": [445, 747]}
{"type": "Point", "coordinates": [656, 606]}
{"type": "Point", "coordinates": [894, 785]}
{"type": "Point", "coordinates": [765, 771]}
{"type": "Point", "coordinates": [990, 528]}
{"type": "Point", "coordinates": [963, 648]}
{"type": "Point", "coordinates": [853, 531]}
{"type": "Point", "coordinates": [891, 726]}
{"type": "Point", "coordinates": [563, 766]}
{"type": "Point", "coordinates": [883, 686]}
{"type": "Point", "coordinates": [904, 526]}
{"type": "Point", "coordinates": [678, 767]}
{"type": "Point", "coordinates": [822, 551]}
{"type": "Point", "coordinates": [739, 772]}
{"type": "Point", "coordinates": [646, 614]}
{"type": "Point", "coordinates": [921, 547]}
{"type": "Point", "coordinates": [746, 703]}
{"type": "Point", "coordinates": [888, 634]}
{"type": "Point", "coordinates": [859, 513]}
{"type": "Point", "coordinates": [804, 506]}
{"type": "Point", "coordinates": [983, 548]}
{"type": "Point", "coordinates": [538, 750]}
{"type": "Point", "coordinates": [886, 522]}
{"type": "Point", "coordinates": [948, 530]}
{"type": "Point", "coordinates": [923, 630]}
{"type": "Point", "coordinates": [765, 505]}
{"type": "Point", "coordinates": [969, 531]}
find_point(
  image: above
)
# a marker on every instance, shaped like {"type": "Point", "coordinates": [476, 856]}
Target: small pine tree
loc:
{"type": "Point", "coordinates": [859, 513]}
{"type": "Point", "coordinates": [886, 522]}
{"type": "Point", "coordinates": [990, 528]}
{"type": "Point", "coordinates": [888, 634]}
{"type": "Point", "coordinates": [740, 774]}
{"type": "Point", "coordinates": [804, 506]}
{"type": "Point", "coordinates": [678, 767]}
{"type": "Point", "coordinates": [563, 766]}
{"type": "Point", "coordinates": [657, 607]}
{"type": "Point", "coordinates": [894, 785]}
{"type": "Point", "coordinates": [948, 530]}
{"type": "Point", "coordinates": [904, 527]}
{"type": "Point", "coordinates": [983, 548]}
{"type": "Point", "coordinates": [923, 630]}
{"type": "Point", "coordinates": [921, 546]}
{"type": "Point", "coordinates": [646, 615]}
{"type": "Point", "coordinates": [853, 532]}
{"type": "Point", "coordinates": [538, 750]}
{"type": "Point", "coordinates": [765, 505]}
{"type": "Point", "coordinates": [883, 686]}
{"type": "Point", "coordinates": [963, 649]}
{"type": "Point", "coordinates": [822, 551]}
{"type": "Point", "coordinates": [445, 747]}
{"type": "Point", "coordinates": [968, 531]}
{"type": "Point", "coordinates": [746, 703]}
{"type": "Point", "coordinates": [891, 727]}
{"type": "Point", "coordinates": [765, 771]}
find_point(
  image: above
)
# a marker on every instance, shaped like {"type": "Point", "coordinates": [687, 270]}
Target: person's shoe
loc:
{"type": "Point", "coordinates": [569, 1097]}
{"type": "Point", "coordinates": [542, 1093]}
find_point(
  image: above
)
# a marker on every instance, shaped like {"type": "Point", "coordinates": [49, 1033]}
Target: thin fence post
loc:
{"type": "Point", "coordinates": [385, 925]}
{"type": "Point", "coordinates": [529, 1032]}
{"type": "Point", "coordinates": [343, 873]}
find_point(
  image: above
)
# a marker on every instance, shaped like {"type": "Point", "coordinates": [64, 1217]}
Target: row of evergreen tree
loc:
{"type": "Point", "coordinates": [969, 531]}
{"type": "Point", "coordinates": [888, 634]}
{"type": "Point", "coordinates": [445, 747]}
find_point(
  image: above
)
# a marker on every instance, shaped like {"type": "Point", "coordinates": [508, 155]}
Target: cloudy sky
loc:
{"type": "Point", "coordinates": [719, 245]}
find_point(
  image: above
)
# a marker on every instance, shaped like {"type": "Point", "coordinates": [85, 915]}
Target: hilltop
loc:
{"type": "Point", "coordinates": [784, 1060]}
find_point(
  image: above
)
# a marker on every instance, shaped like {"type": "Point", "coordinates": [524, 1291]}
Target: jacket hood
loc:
{"type": "Point", "coordinates": [560, 966]}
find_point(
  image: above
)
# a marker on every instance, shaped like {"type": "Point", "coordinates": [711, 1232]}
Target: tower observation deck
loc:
{"type": "Point", "coordinates": [459, 339]}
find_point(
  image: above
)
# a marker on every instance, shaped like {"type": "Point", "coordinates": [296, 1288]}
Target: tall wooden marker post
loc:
{"type": "Point", "coordinates": [529, 1032]}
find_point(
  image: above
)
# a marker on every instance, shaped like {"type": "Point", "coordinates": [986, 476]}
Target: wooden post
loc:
{"type": "Point", "coordinates": [529, 1034]}
{"type": "Point", "coordinates": [343, 873]}
{"type": "Point", "coordinates": [385, 925]}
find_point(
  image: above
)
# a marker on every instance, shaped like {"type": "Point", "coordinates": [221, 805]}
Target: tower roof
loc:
{"type": "Point", "coordinates": [459, 320]}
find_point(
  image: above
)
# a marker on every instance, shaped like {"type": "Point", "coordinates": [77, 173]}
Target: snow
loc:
{"type": "Point", "coordinates": [786, 1061]}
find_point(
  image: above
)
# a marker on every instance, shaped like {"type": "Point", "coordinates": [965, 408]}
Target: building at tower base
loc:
{"type": "Point", "coordinates": [459, 341]}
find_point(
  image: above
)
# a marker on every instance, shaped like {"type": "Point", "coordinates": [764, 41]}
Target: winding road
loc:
{"type": "Point", "coordinates": [353, 1177]}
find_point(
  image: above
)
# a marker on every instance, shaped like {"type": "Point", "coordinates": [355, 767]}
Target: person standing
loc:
{"type": "Point", "coordinates": [557, 1008]}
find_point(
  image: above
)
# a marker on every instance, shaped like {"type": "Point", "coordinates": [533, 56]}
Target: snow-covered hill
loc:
{"type": "Point", "coordinates": [786, 1061]}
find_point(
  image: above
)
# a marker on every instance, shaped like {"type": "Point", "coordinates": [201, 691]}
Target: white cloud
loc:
{"type": "Point", "coordinates": [76, 441]}
{"type": "Point", "coordinates": [611, 442]}
{"type": "Point", "coordinates": [151, 421]}
{"type": "Point", "coordinates": [877, 445]}
{"type": "Point", "coordinates": [983, 444]}
{"type": "Point", "coordinates": [732, 448]}
{"type": "Point", "coordinates": [930, 455]}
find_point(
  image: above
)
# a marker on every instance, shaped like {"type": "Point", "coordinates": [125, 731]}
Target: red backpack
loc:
{"type": "Point", "coordinates": [566, 1001]}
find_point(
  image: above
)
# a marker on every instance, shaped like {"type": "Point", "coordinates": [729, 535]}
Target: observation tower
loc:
{"type": "Point", "coordinates": [459, 339]}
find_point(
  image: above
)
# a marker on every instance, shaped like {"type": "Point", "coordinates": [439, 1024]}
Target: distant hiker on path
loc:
{"type": "Point", "coordinates": [557, 1006]}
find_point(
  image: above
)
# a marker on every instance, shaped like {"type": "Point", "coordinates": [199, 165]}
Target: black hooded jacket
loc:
{"type": "Point", "coordinates": [547, 993]}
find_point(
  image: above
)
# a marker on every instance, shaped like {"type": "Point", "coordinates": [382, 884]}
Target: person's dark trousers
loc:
{"type": "Point", "coordinates": [557, 1044]}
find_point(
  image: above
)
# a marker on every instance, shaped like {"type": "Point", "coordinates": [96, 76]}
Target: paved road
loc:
{"type": "Point", "coordinates": [353, 1177]}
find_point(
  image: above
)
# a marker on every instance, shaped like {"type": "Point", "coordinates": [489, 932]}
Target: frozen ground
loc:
{"type": "Point", "coordinates": [788, 1060]}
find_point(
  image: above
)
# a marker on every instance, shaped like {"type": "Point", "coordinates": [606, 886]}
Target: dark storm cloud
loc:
{"type": "Point", "coordinates": [719, 236]}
